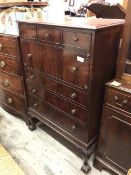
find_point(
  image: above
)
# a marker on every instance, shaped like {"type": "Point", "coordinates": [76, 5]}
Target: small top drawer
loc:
{"type": "Point", "coordinates": [27, 30]}
{"type": "Point", "coordinates": [49, 34]}
{"type": "Point", "coordinates": [8, 46]}
{"type": "Point", "coordinates": [119, 100]}
{"type": "Point", "coordinates": [77, 39]}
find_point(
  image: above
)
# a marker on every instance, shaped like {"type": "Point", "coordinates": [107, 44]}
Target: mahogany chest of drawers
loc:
{"type": "Point", "coordinates": [66, 68]}
{"type": "Point", "coordinates": [113, 153]}
{"type": "Point", "coordinates": [12, 87]}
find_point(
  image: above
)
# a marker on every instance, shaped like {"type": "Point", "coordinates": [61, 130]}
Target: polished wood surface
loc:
{"type": "Point", "coordinates": [114, 141]}
{"type": "Point", "coordinates": [63, 64]}
{"type": "Point", "coordinates": [12, 84]}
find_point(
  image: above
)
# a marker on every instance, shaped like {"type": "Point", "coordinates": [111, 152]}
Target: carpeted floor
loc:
{"type": "Point", "coordinates": [7, 165]}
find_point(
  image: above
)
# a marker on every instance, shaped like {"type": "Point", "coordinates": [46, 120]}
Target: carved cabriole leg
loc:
{"type": "Point", "coordinates": [86, 167]}
{"type": "Point", "coordinates": [32, 124]}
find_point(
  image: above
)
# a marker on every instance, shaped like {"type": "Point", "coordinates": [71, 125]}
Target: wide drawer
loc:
{"type": "Point", "coordinates": [57, 87]}
{"type": "Point", "coordinates": [8, 46]}
{"type": "Point", "coordinates": [73, 110]}
{"type": "Point", "coordinates": [13, 101]}
{"type": "Point", "coordinates": [69, 65]}
{"type": "Point", "coordinates": [9, 65]}
{"type": "Point", "coordinates": [27, 30]}
{"type": "Point", "coordinates": [77, 39]}
{"type": "Point", "coordinates": [119, 100]}
{"type": "Point", "coordinates": [12, 83]}
{"type": "Point", "coordinates": [58, 117]}
{"type": "Point", "coordinates": [49, 34]}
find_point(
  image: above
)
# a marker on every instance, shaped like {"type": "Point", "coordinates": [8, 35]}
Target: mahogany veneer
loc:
{"type": "Point", "coordinates": [66, 67]}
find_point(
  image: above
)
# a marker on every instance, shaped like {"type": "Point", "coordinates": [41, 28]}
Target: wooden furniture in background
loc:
{"type": "Point", "coordinates": [66, 68]}
{"type": "Point", "coordinates": [113, 153]}
{"type": "Point", "coordinates": [12, 87]}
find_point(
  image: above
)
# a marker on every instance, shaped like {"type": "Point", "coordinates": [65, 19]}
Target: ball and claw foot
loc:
{"type": "Point", "coordinates": [32, 127]}
{"type": "Point", "coordinates": [85, 168]}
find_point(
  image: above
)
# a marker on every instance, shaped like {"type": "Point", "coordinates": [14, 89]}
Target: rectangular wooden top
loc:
{"type": "Point", "coordinates": [79, 22]}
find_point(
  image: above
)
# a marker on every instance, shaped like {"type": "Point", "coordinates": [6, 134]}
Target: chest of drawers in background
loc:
{"type": "Point", "coordinates": [66, 68]}
{"type": "Point", "coordinates": [12, 89]}
{"type": "Point", "coordinates": [113, 153]}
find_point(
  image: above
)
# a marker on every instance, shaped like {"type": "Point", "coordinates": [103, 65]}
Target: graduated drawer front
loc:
{"type": "Point", "coordinates": [9, 65]}
{"type": "Point", "coordinates": [49, 34]}
{"type": "Point", "coordinates": [13, 101]}
{"type": "Point", "coordinates": [8, 46]}
{"type": "Point", "coordinates": [77, 39]}
{"type": "Point", "coordinates": [58, 117]}
{"type": "Point", "coordinates": [119, 100]}
{"type": "Point", "coordinates": [12, 83]}
{"type": "Point", "coordinates": [27, 30]}
{"type": "Point", "coordinates": [60, 103]}
{"type": "Point", "coordinates": [57, 62]}
{"type": "Point", "coordinates": [55, 86]}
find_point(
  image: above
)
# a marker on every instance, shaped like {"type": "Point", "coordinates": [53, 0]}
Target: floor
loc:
{"type": "Point", "coordinates": [37, 152]}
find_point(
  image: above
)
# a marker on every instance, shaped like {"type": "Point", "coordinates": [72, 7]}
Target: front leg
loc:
{"type": "Point", "coordinates": [85, 167]}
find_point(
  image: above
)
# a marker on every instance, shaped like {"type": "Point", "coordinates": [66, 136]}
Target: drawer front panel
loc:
{"type": "Point", "coordinates": [76, 39]}
{"type": "Point", "coordinates": [63, 64]}
{"type": "Point", "coordinates": [119, 100]}
{"type": "Point", "coordinates": [55, 86]}
{"type": "Point", "coordinates": [8, 46]}
{"type": "Point", "coordinates": [15, 102]}
{"type": "Point", "coordinates": [49, 34]}
{"type": "Point", "coordinates": [11, 83]}
{"type": "Point", "coordinates": [27, 30]}
{"type": "Point", "coordinates": [61, 119]}
{"type": "Point", "coordinates": [61, 104]}
{"type": "Point", "coordinates": [9, 65]}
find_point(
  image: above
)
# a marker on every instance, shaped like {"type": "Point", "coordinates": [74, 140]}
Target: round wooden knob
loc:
{"type": "Point", "coordinates": [35, 104]}
{"type": "Point", "coordinates": [74, 69]}
{"type": "Point", "coordinates": [73, 111]}
{"type": "Point", "coordinates": [47, 35]}
{"type": "Point", "coordinates": [6, 82]}
{"type": "Point", "coordinates": [85, 87]}
{"type": "Point", "coordinates": [2, 64]}
{"type": "Point", "coordinates": [9, 100]}
{"type": "Point", "coordinates": [73, 95]}
{"type": "Point", "coordinates": [73, 127]}
{"type": "Point", "coordinates": [115, 97]}
{"type": "Point", "coordinates": [32, 76]}
{"type": "Point", "coordinates": [125, 102]}
{"type": "Point", "coordinates": [75, 39]}
{"type": "Point", "coordinates": [1, 46]}
{"type": "Point", "coordinates": [29, 55]}
{"type": "Point", "coordinates": [34, 90]}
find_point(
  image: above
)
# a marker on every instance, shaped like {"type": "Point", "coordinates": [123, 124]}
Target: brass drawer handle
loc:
{"type": "Point", "coordinates": [73, 127]}
{"type": "Point", "coordinates": [9, 100]}
{"type": "Point", "coordinates": [2, 64]}
{"type": "Point", "coordinates": [35, 104]}
{"type": "Point", "coordinates": [116, 98]}
{"type": "Point", "coordinates": [74, 69]}
{"type": "Point", "coordinates": [73, 95]}
{"type": "Point", "coordinates": [47, 35]}
{"type": "Point", "coordinates": [73, 111]}
{"type": "Point", "coordinates": [87, 56]}
{"type": "Point", "coordinates": [32, 76]}
{"type": "Point", "coordinates": [34, 90]}
{"type": "Point", "coordinates": [29, 55]}
{"type": "Point", "coordinates": [124, 102]}
{"type": "Point", "coordinates": [6, 82]}
{"type": "Point", "coordinates": [85, 87]}
{"type": "Point", "coordinates": [1, 46]}
{"type": "Point", "coordinates": [76, 39]}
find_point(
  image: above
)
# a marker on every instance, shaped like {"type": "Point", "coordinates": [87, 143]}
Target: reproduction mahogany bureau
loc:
{"type": "Point", "coordinates": [66, 66]}
{"type": "Point", "coordinates": [12, 88]}
{"type": "Point", "coordinates": [114, 146]}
